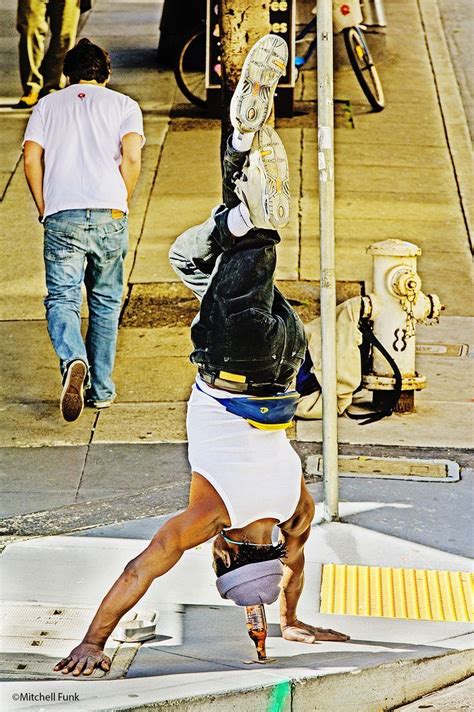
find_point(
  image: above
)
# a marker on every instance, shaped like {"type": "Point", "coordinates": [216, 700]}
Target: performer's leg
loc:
{"type": "Point", "coordinates": [245, 274]}
{"type": "Point", "coordinates": [235, 158]}
{"type": "Point", "coordinates": [245, 325]}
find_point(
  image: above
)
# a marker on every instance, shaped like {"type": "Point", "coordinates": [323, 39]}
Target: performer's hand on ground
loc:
{"type": "Point", "coordinates": [305, 633]}
{"type": "Point", "coordinates": [84, 659]}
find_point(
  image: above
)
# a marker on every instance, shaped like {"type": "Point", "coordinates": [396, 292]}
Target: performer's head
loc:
{"type": "Point", "coordinates": [88, 62]}
{"type": "Point", "coordinates": [247, 574]}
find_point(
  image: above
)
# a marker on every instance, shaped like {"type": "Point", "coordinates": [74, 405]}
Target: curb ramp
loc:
{"type": "Point", "coordinates": [373, 689]}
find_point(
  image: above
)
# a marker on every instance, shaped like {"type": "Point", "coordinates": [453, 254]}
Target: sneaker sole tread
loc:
{"type": "Point", "coordinates": [275, 165]}
{"type": "Point", "coordinates": [253, 98]}
{"type": "Point", "coordinates": [72, 396]}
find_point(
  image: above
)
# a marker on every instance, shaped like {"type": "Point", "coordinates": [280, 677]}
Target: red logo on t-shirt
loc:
{"type": "Point", "coordinates": [81, 95]}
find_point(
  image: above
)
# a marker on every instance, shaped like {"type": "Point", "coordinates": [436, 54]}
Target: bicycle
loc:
{"type": "Point", "coordinates": [190, 66]}
{"type": "Point", "coordinates": [359, 57]}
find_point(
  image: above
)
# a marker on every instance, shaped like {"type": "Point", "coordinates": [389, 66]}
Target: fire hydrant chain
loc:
{"type": "Point", "coordinates": [408, 303]}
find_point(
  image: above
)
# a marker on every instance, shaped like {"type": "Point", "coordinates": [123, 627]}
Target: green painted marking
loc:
{"type": "Point", "coordinates": [278, 697]}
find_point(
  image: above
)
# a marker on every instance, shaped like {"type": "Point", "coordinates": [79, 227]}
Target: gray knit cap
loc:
{"type": "Point", "coordinates": [252, 584]}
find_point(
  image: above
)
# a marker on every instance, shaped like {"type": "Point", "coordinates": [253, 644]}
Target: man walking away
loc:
{"type": "Point", "coordinates": [42, 72]}
{"type": "Point", "coordinates": [82, 152]}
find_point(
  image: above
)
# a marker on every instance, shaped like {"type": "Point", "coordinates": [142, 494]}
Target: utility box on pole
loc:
{"type": "Point", "coordinates": [282, 23]}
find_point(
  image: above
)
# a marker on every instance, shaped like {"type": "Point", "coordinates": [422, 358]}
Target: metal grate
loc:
{"type": "Point", "coordinates": [416, 594]}
{"type": "Point", "coordinates": [34, 637]}
{"type": "Point", "coordinates": [389, 468]}
{"type": "Point", "coordinates": [446, 350]}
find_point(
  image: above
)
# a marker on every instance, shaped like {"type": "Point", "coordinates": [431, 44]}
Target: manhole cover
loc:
{"type": "Point", "coordinates": [35, 637]}
{"type": "Point", "coordinates": [172, 304]}
{"type": "Point", "coordinates": [389, 467]}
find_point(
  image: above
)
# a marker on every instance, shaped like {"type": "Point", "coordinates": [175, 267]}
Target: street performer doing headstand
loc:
{"type": "Point", "coordinates": [248, 345]}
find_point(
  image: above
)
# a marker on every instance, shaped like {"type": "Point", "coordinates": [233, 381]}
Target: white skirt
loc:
{"type": "Point", "coordinates": [256, 472]}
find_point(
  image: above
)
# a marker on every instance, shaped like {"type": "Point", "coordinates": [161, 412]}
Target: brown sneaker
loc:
{"type": "Point", "coordinates": [72, 397]}
{"type": "Point", "coordinates": [28, 101]}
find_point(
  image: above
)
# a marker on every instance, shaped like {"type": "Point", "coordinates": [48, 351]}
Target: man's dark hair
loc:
{"type": "Point", "coordinates": [87, 61]}
{"type": "Point", "coordinates": [251, 555]}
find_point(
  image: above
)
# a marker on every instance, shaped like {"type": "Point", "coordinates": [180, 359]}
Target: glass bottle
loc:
{"type": "Point", "coordinates": [257, 628]}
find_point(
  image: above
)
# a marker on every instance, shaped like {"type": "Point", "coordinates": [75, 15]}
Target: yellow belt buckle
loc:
{"type": "Point", "coordinates": [117, 214]}
{"type": "Point", "coordinates": [235, 377]}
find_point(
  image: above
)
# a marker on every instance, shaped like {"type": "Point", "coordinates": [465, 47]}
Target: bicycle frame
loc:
{"type": "Point", "coordinates": [359, 57]}
{"type": "Point", "coordinates": [300, 61]}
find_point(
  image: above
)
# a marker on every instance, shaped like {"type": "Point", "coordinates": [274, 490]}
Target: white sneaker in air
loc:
{"type": "Point", "coordinates": [252, 101]}
{"type": "Point", "coordinates": [264, 184]}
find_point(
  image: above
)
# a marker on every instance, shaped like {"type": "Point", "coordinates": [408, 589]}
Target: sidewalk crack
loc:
{"type": "Point", "coordinates": [7, 185]}
{"type": "Point", "coordinates": [145, 215]}
{"type": "Point", "coordinates": [81, 477]}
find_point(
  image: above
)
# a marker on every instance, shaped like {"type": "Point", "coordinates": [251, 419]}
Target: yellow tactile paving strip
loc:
{"type": "Point", "coordinates": [417, 594]}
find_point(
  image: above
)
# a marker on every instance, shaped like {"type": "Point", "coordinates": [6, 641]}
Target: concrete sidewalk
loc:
{"type": "Point", "coordinates": [397, 175]}
{"type": "Point", "coordinates": [192, 664]}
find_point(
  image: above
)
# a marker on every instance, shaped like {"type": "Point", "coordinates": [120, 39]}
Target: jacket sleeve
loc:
{"type": "Point", "coordinates": [194, 255]}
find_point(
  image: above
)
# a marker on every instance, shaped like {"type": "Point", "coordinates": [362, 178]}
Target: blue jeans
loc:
{"type": "Point", "coordinates": [85, 246]}
{"type": "Point", "coordinates": [245, 324]}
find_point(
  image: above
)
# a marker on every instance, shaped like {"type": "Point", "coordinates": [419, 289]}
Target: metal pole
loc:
{"type": "Point", "coordinates": [327, 257]}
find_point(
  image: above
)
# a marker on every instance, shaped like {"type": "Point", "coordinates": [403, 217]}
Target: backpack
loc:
{"type": "Point", "coordinates": [355, 344]}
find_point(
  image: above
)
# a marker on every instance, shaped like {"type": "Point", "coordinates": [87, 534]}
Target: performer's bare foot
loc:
{"type": "Point", "coordinates": [305, 633]}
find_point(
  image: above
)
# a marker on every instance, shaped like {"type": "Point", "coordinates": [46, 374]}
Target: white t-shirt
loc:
{"type": "Point", "coordinates": [256, 473]}
{"type": "Point", "coordinates": [81, 129]}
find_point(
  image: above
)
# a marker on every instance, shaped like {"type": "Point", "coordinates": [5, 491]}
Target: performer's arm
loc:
{"type": "Point", "coordinates": [295, 534]}
{"type": "Point", "coordinates": [205, 517]}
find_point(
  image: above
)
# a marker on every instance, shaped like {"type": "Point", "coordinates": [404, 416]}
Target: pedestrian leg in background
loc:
{"type": "Point", "coordinates": [33, 27]}
{"type": "Point", "coordinates": [63, 20]}
{"type": "Point", "coordinates": [41, 72]}
{"type": "Point", "coordinates": [104, 285]}
{"type": "Point", "coordinates": [64, 258]}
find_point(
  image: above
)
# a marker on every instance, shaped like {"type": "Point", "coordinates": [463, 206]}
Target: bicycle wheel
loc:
{"type": "Point", "coordinates": [189, 70]}
{"type": "Point", "coordinates": [363, 66]}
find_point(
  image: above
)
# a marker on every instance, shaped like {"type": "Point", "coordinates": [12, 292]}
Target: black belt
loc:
{"type": "Point", "coordinates": [238, 387]}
